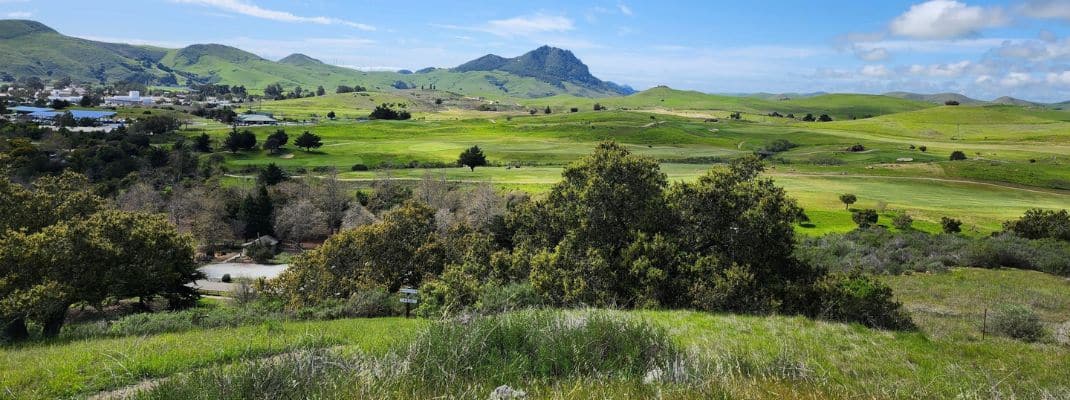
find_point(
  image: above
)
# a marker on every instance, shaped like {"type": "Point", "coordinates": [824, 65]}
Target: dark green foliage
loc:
{"type": "Point", "coordinates": [156, 124]}
{"type": "Point", "coordinates": [903, 222]}
{"type": "Point", "coordinates": [387, 112]}
{"type": "Point", "coordinates": [260, 253]}
{"type": "Point", "coordinates": [957, 155]}
{"type": "Point", "coordinates": [1038, 224]}
{"type": "Point", "coordinates": [808, 118]}
{"type": "Point", "coordinates": [1018, 322]}
{"type": "Point", "coordinates": [330, 114]}
{"type": "Point", "coordinates": [271, 175]}
{"type": "Point", "coordinates": [824, 118]}
{"type": "Point", "coordinates": [547, 111]}
{"type": "Point", "coordinates": [276, 140]}
{"type": "Point", "coordinates": [358, 167]}
{"type": "Point", "coordinates": [950, 225]}
{"type": "Point", "coordinates": [308, 141]}
{"type": "Point", "coordinates": [236, 141]}
{"type": "Point", "coordinates": [1046, 255]}
{"type": "Point", "coordinates": [779, 145]}
{"type": "Point", "coordinates": [472, 157]}
{"type": "Point", "coordinates": [202, 143]}
{"type": "Point", "coordinates": [256, 211]}
{"type": "Point", "coordinates": [856, 148]}
{"type": "Point", "coordinates": [865, 218]}
{"type": "Point", "coordinates": [225, 278]}
{"type": "Point", "coordinates": [847, 199]}
{"type": "Point", "coordinates": [861, 298]}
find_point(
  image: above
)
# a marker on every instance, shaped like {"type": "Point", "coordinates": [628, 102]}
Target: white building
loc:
{"type": "Point", "coordinates": [133, 99]}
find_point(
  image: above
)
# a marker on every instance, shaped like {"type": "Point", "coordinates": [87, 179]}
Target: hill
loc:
{"type": "Point", "coordinates": [29, 48]}
{"type": "Point", "coordinates": [937, 98]}
{"type": "Point", "coordinates": [547, 64]}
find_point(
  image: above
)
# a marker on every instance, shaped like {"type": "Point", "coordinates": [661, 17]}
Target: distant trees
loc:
{"type": "Point", "coordinates": [824, 118]}
{"type": "Point", "coordinates": [350, 89]}
{"type": "Point", "coordinates": [386, 111]}
{"type": "Point", "coordinates": [923, 148]}
{"type": "Point", "coordinates": [808, 118]}
{"type": "Point", "coordinates": [951, 103]}
{"type": "Point", "coordinates": [856, 148]}
{"type": "Point", "coordinates": [256, 210]}
{"type": "Point", "coordinates": [865, 218]}
{"type": "Point", "coordinates": [271, 175]}
{"type": "Point", "coordinates": [547, 110]}
{"type": "Point", "coordinates": [957, 155]}
{"type": "Point", "coordinates": [599, 107]}
{"type": "Point", "coordinates": [320, 91]}
{"type": "Point", "coordinates": [779, 145]}
{"type": "Point", "coordinates": [237, 141]}
{"type": "Point", "coordinates": [950, 225]}
{"type": "Point", "coordinates": [308, 141]}
{"type": "Point", "coordinates": [202, 143]}
{"type": "Point", "coordinates": [274, 91]}
{"type": "Point", "coordinates": [472, 157]}
{"type": "Point", "coordinates": [847, 199]}
{"type": "Point", "coordinates": [330, 114]}
{"type": "Point", "coordinates": [276, 140]}
{"type": "Point", "coordinates": [156, 124]}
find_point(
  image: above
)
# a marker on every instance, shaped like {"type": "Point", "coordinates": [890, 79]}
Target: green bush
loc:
{"type": "Point", "coordinates": [860, 298]}
{"type": "Point", "coordinates": [176, 321]}
{"type": "Point", "coordinates": [523, 345]}
{"type": "Point", "coordinates": [865, 218]}
{"type": "Point", "coordinates": [508, 297]}
{"type": "Point", "coordinates": [883, 252]}
{"type": "Point", "coordinates": [1018, 322]}
{"type": "Point", "coordinates": [225, 278]}
{"type": "Point", "coordinates": [375, 302]}
{"type": "Point", "coordinates": [903, 222]}
{"type": "Point", "coordinates": [950, 225]}
{"type": "Point", "coordinates": [1045, 255]}
{"type": "Point", "coordinates": [1039, 224]}
{"type": "Point", "coordinates": [261, 253]}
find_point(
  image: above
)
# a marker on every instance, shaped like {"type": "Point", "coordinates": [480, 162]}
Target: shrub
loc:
{"type": "Point", "coordinates": [860, 298]}
{"type": "Point", "coordinates": [957, 155]}
{"type": "Point", "coordinates": [260, 253]}
{"type": "Point", "coordinates": [358, 167]}
{"type": "Point", "coordinates": [856, 148]}
{"type": "Point", "coordinates": [243, 292]}
{"type": "Point", "coordinates": [507, 297]}
{"type": "Point", "coordinates": [372, 302]}
{"type": "Point", "coordinates": [1045, 255]}
{"type": "Point", "coordinates": [1018, 322]}
{"type": "Point", "coordinates": [865, 218]}
{"type": "Point", "coordinates": [950, 225]}
{"type": "Point", "coordinates": [903, 222]}
{"type": "Point", "coordinates": [1038, 224]}
{"type": "Point", "coordinates": [535, 344]}
{"type": "Point", "coordinates": [226, 278]}
{"type": "Point", "coordinates": [883, 252]}
{"type": "Point", "coordinates": [779, 145]}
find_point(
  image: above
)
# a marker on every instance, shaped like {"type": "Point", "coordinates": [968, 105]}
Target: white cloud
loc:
{"type": "Point", "coordinates": [953, 70]}
{"type": "Point", "coordinates": [19, 14]}
{"type": "Point", "coordinates": [946, 19]}
{"type": "Point", "coordinates": [244, 7]}
{"type": "Point", "coordinates": [874, 54]}
{"type": "Point", "coordinates": [1058, 9]}
{"type": "Point", "coordinates": [1014, 79]}
{"type": "Point", "coordinates": [876, 71]}
{"type": "Point", "coordinates": [624, 9]}
{"type": "Point", "coordinates": [1061, 78]}
{"type": "Point", "coordinates": [528, 25]}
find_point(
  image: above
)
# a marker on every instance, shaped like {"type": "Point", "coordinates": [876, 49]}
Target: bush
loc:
{"type": "Point", "coordinates": [372, 302]}
{"type": "Point", "coordinates": [1038, 224]}
{"type": "Point", "coordinates": [176, 321]}
{"type": "Point", "coordinates": [535, 344]}
{"type": "Point", "coordinates": [950, 225]}
{"type": "Point", "coordinates": [883, 252]}
{"type": "Point", "coordinates": [359, 167]}
{"type": "Point", "coordinates": [903, 222]}
{"type": "Point", "coordinates": [225, 278]}
{"type": "Point", "coordinates": [860, 298]}
{"type": "Point", "coordinates": [856, 148]}
{"type": "Point", "coordinates": [508, 297]}
{"type": "Point", "coordinates": [957, 156]}
{"type": "Point", "coordinates": [1018, 322]}
{"type": "Point", "coordinates": [261, 253]}
{"type": "Point", "coordinates": [1045, 255]}
{"type": "Point", "coordinates": [865, 218]}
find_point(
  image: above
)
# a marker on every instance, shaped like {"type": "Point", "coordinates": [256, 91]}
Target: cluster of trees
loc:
{"type": "Point", "coordinates": [613, 232]}
{"type": "Point", "coordinates": [277, 92]}
{"type": "Point", "coordinates": [224, 114]}
{"type": "Point", "coordinates": [387, 111]}
{"type": "Point", "coordinates": [350, 89]}
{"type": "Point", "coordinates": [62, 245]}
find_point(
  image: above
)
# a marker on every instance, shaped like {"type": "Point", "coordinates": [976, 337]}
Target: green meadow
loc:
{"type": "Point", "coordinates": [1017, 158]}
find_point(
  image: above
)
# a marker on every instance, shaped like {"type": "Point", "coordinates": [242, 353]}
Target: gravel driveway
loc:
{"type": "Point", "coordinates": [215, 272]}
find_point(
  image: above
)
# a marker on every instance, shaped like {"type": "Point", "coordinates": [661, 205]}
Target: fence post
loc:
{"type": "Point", "coordinates": [984, 324]}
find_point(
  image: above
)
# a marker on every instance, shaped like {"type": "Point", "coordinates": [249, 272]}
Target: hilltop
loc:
{"type": "Point", "coordinates": [30, 48]}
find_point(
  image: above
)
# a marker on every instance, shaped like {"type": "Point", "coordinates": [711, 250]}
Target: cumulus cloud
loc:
{"type": "Point", "coordinates": [247, 8]}
{"type": "Point", "coordinates": [624, 9]}
{"type": "Point", "coordinates": [953, 70]}
{"type": "Point", "coordinates": [1015, 79]}
{"type": "Point", "coordinates": [1056, 9]}
{"type": "Point", "coordinates": [19, 14]}
{"type": "Point", "coordinates": [874, 54]}
{"type": "Point", "coordinates": [946, 19]}
{"type": "Point", "coordinates": [529, 25]}
{"type": "Point", "coordinates": [1060, 78]}
{"type": "Point", "coordinates": [876, 71]}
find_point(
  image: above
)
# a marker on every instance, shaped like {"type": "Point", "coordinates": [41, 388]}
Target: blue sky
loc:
{"type": "Point", "coordinates": [983, 48]}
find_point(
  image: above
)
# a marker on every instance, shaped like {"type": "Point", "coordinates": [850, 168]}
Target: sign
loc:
{"type": "Point", "coordinates": [408, 301]}
{"type": "Point", "coordinates": [408, 297]}
{"type": "Point", "coordinates": [409, 291]}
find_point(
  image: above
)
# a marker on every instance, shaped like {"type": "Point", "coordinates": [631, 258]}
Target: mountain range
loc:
{"type": "Point", "coordinates": [30, 48]}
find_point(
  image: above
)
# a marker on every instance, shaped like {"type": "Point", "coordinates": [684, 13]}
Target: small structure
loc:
{"type": "Point", "coordinates": [27, 110]}
{"type": "Point", "coordinates": [96, 116]}
{"type": "Point", "coordinates": [131, 99]}
{"type": "Point", "coordinates": [266, 240]}
{"type": "Point", "coordinates": [256, 119]}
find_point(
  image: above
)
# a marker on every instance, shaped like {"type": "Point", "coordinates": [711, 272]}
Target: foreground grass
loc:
{"type": "Point", "coordinates": [729, 356]}
{"type": "Point", "coordinates": [43, 370]}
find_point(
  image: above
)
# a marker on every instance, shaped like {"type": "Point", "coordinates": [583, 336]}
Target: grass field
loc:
{"type": "Point", "coordinates": [755, 357]}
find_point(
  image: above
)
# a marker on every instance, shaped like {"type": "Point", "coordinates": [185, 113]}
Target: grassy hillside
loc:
{"type": "Point", "coordinates": [740, 356]}
{"type": "Point", "coordinates": [839, 106]}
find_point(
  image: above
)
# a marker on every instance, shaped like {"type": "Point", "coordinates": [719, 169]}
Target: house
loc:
{"type": "Point", "coordinates": [132, 99]}
{"type": "Point", "coordinates": [256, 119]}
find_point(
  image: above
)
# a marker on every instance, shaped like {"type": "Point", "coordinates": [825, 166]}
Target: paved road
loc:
{"type": "Point", "coordinates": [237, 270]}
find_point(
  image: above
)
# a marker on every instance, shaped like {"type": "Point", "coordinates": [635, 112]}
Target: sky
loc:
{"type": "Point", "coordinates": [981, 48]}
